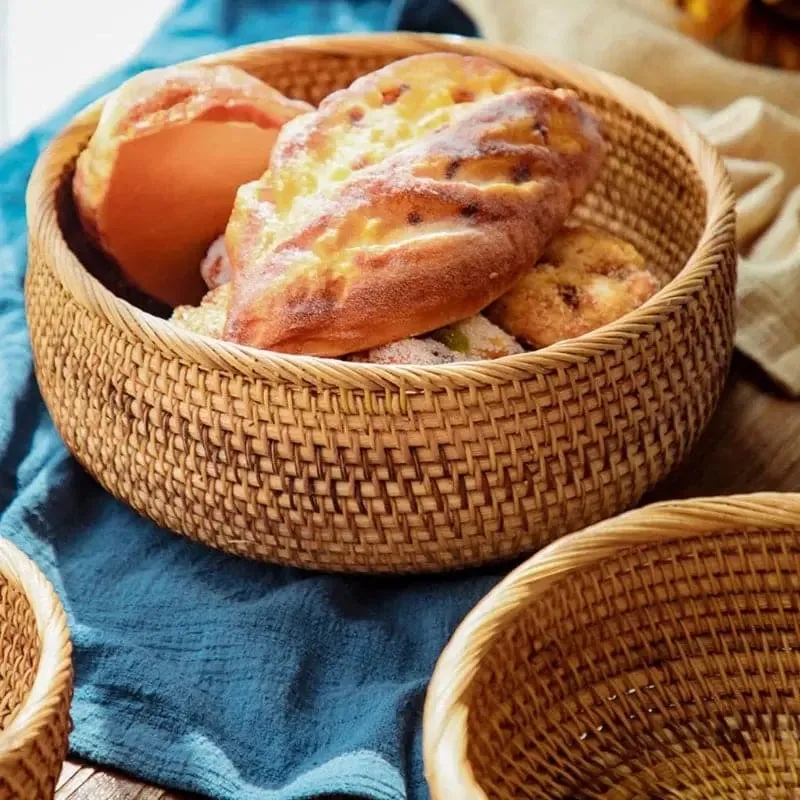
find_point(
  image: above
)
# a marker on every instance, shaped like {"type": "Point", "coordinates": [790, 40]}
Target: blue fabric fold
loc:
{"type": "Point", "coordinates": [197, 670]}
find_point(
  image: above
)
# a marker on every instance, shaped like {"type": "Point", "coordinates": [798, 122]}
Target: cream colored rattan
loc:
{"type": "Point", "coordinates": [35, 680]}
{"type": "Point", "coordinates": [341, 466]}
{"type": "Point", "coordinates": [653, 655]}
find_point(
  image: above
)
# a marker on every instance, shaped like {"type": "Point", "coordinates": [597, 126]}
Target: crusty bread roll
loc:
{"type": "Point", "coordinates": [157, 181]}
{"type": "Point", "coordinates": [409, 201]}
{"type": "Point", "coordinates": [586, 278]}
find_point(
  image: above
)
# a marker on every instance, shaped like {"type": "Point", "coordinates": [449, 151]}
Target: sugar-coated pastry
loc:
{"type": "Point", "coordinates": [585, 279]}
{"type": "Point", "coordinates": [478, 337]}
{"type": "Point", "coordinates": [157, 181]}
{"type": "Point", "coordinates": [215, 266]}
{"type": "Point", "coordinates": [423, 352]}
{"type": "Point", "coordinates": [407, 202]}
{"type": "Point", "coordinates": [209, 317]}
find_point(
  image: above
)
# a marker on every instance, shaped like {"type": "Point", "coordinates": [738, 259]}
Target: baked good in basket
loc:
{"type": "Point", "coordinates": [585, 279]}
{"type": "Point", "coordinates": [157, 181]}
{"type": "Point", "coordinates": [406, 202]}
{"type": "Point", "coordinates": [215, 268]}
{"type": "Point", "coordinates": [336, 465]}
{"type": "Point", "coordinates": [471, 339]}
{"type": "Point", "coordinates": [208, 318]}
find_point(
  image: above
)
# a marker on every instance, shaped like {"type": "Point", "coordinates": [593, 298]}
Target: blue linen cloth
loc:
{"type": "Point", "coordinates": [196, 670]}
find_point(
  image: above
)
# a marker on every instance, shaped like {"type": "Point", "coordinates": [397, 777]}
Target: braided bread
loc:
{"type": "Point", "coordinates": [405, 203]}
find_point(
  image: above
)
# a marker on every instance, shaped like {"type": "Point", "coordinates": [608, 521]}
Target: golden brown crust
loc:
{"type": "Point", "coordinates": [157, 180]}
{"type": "Point", "coordinates": [585, 279]}
{"type": "Point", "coordinates": [405, 203]}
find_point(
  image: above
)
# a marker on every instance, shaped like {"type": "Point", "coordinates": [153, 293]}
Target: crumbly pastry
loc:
{"type": "Point", "coordinates": [423, 352]}
{"type": "Point", "coordinates": [470, 339]}
{"type": "Point", "coordinates": [585, 279]}
{"type": "Point", "coordinates": [215, 267]}
{"type": "Point", "coordinates": [405, 203]}
{"type": "Point", "coordinates": [478, 338]}
{"type": "Point", "coordinates": [208, 318]}
{"type": "Point", "coordinates": [157, 181]}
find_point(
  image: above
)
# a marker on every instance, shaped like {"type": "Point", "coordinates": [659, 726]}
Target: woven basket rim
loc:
{"type": "Point", "coordinates": [445, 713]}
{"type": "Point", "coordinates": [206, 352]}
{"type": "Point", "coordinates": [54, 676]}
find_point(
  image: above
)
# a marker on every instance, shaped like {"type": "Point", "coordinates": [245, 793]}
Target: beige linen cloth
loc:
{"type": "Point", "coordinates": [751, 113]}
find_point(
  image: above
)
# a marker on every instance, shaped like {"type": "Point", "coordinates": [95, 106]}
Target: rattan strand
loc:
{"type": "Point", "coordinates": [35, 680]}
{"type": "Point", "coordinates": [652, 655]}
{"type": "Point", "coordinates": [338, 466]}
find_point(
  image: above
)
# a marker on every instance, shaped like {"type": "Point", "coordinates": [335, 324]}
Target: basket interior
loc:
{"type": "Point", "coordinates": [649, 192]}
{"type": "Point", "coordinates": [670, 670]}
{"type": "Point", "coordinates": [19, 650]}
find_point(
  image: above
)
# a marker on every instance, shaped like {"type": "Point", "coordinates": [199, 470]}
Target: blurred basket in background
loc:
{"type": "Point", "coordinates": [35, 679]}
{"type": "Point", "coordinates": [652, 655]}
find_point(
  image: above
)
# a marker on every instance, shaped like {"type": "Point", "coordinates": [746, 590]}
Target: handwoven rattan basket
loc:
{"type": "Point", "coordinates": [35, 680]}
{"type": "Point", "coordinates": [654, 655]}
{"type": "Point", "coordinates": [341, 466]}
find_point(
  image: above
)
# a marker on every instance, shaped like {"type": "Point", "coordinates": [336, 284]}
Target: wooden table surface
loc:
{"type": "Point", "coordinates": [751, 444]}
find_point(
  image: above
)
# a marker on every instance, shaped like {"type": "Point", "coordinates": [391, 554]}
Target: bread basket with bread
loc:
{"type": "Point", "coordinates": [469, 301]}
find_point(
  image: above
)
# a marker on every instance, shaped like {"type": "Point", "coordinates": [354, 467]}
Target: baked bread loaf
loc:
{"type": "Point", "coordinates": [157, 181]}
{"type": "Point", "coordinates": [585, 279]}
{"type": "Point", "coordinates": [406, 202]}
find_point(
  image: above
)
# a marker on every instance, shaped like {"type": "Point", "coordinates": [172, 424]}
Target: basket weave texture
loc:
{"type": "Point", "coordinates": [653, 655]}
{"type": "Point", "coordinates": [338, 466]}
{"type": "Point", "coordinates": [35, 680]}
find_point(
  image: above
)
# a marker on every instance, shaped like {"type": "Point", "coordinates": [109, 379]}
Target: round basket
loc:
{"type": "Point", "coordinates": [341, 466]}
{"type": "Point", "coordinates": [35, 679]}
{"type": "Point", "coordinates": [652, 655]}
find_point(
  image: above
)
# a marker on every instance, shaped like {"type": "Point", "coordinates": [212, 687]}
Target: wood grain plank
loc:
{"type": "Point", "coordinates": [91, 783]}
{"type": "Point", "coordinates": [750, 445]}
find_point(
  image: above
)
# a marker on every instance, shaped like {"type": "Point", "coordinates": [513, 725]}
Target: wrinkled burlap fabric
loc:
{"type": "Point", "coordinates": [751, 114]}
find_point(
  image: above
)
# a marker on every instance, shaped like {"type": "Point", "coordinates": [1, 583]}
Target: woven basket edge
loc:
{"type": "Point", "coordinates": [53, 685]}
{"type": "Point", "coordinates": [445, 714]}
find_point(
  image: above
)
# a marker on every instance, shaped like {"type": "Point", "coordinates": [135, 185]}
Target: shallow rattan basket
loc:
{"type": "Point", "coordinates": [341, 466]}
{"type": "Point", "coordinates": [35, 680]}
{"type": "Point", "coordinates": [654, 655]}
